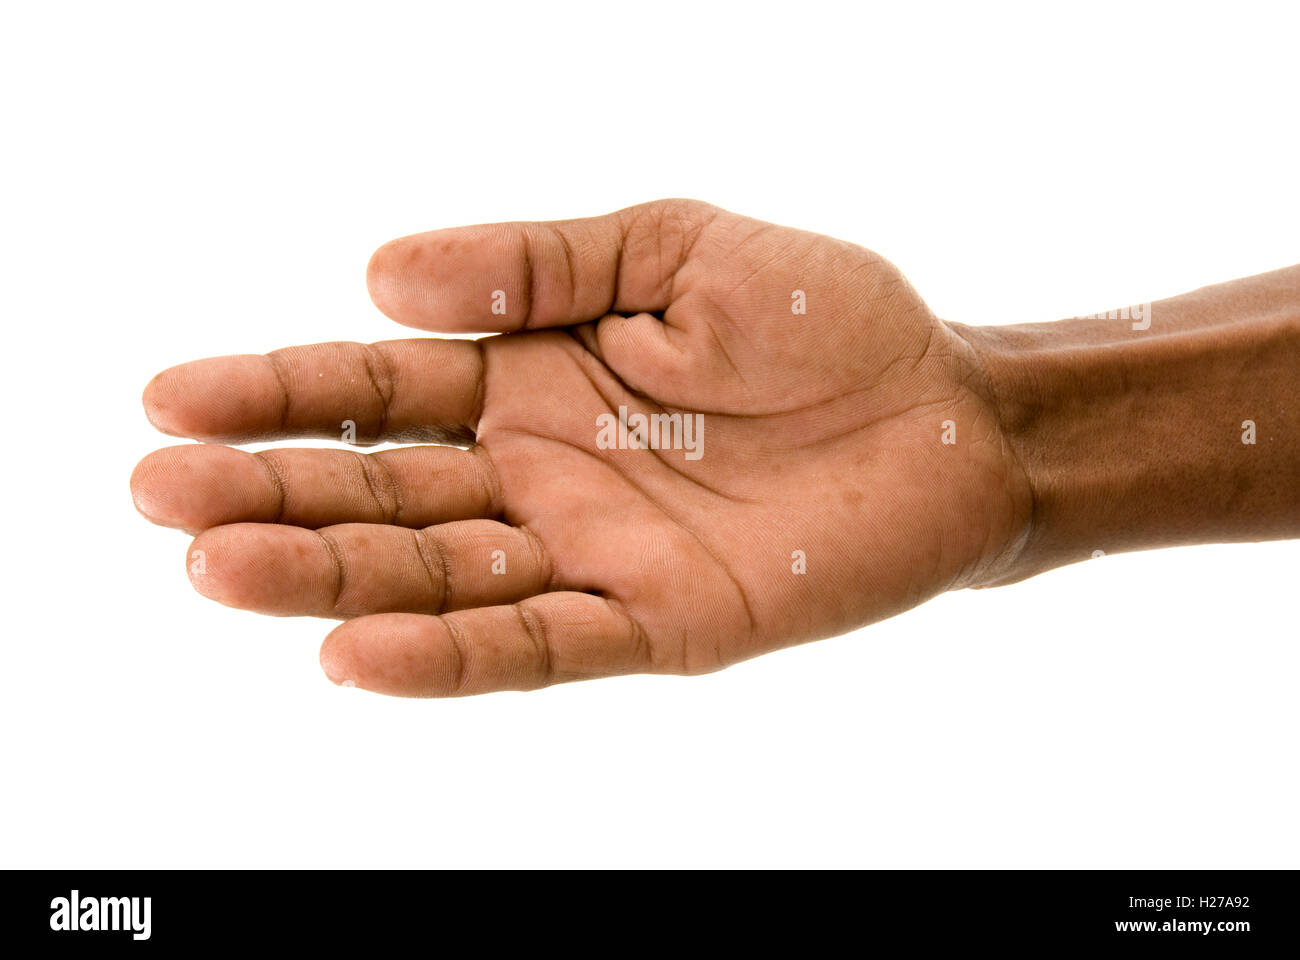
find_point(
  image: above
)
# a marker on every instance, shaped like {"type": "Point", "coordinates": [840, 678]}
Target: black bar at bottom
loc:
{"type": "Point", "coordinates": [1229, 911]}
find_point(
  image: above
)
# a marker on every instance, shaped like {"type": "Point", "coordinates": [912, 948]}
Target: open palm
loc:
{"type": "Point", "coordinates": [796, 484]}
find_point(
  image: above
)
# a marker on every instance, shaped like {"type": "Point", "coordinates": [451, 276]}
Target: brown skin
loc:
{"type": "Point", "coordinates": [822, 434]}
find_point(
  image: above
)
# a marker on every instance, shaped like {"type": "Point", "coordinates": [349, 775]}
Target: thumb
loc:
{"type": "Point", "coordinates": [505, 277]}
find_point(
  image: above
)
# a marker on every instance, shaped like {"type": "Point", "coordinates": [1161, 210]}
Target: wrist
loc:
{"type": "Point", "coordinates": [1130, 428]}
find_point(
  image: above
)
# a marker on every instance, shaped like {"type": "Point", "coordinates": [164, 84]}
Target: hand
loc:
{"type": "Point", "coordinates": [816, 493]}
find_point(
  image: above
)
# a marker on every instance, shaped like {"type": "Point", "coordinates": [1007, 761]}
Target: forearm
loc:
{"type": "Point", "coordinates": [1138, 438]}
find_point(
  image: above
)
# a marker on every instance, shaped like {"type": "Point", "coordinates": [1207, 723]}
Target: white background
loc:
{"type": "Point", "coordinates": [182, 181]}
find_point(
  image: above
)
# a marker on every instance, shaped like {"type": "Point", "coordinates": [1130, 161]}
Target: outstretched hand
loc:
{"type": "Point", "coordinates": [815, 451]}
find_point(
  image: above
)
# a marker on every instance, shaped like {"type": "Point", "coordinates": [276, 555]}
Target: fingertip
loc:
{"type": "Point", "coordinates": [216, 398]}
{"type": "Point", "coordinates": [160, 401]}
{"type": "Point", "coordinates": [335, 659]}
{"type": "Point", "coordinates": [253, 566]}
{"type": "Point", "coordinates": [398, 654]}
{"type": "Point", "coordinates": [153, 497]}
{"type": "Point", "coordinates": [202, 565]}
{"type": "Point", "coordinates": [195, 486]}
{"type": "Point", "coordinates": [456, 280]}
{"type": "Point", "coordinates": [390, 277]}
